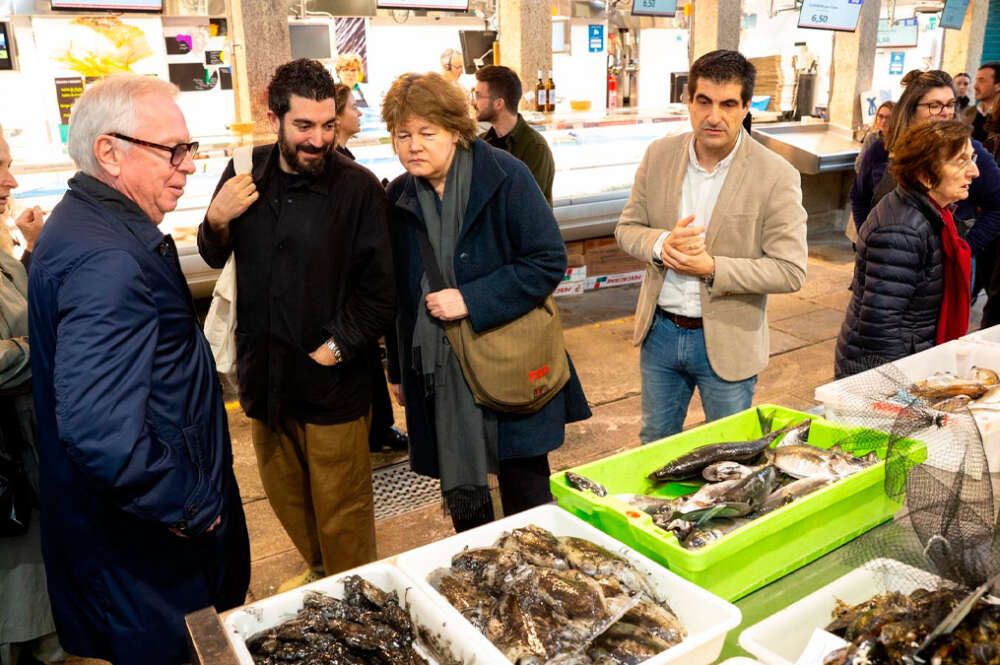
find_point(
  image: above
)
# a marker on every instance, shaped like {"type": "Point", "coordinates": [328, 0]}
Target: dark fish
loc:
{"type": "Point", "coordinates": [692, 464]}
{"type": "Point", "coordinates": [583, 484]}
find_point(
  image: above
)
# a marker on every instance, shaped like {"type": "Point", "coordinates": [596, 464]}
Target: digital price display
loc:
{"type": "Point", "coordinates": [953, 14]}
{"type": "Point", "coordinates": [654, 7]}
{"type": "Point", "coordinates": [6, 48]}
{"type": "Point", "coordinates": [840, 15]}
{"type": "Point", "coordinates": [114, 5]}
{"type": "Point", "coordinates": [902, 34]}
{"type": "Point", "coordinates": [434, 5]}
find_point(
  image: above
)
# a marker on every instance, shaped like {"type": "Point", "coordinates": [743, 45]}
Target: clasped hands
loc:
{"type": "Point", "coordinates": [683, 250]}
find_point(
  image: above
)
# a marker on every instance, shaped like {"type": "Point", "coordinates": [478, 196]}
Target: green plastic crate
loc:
{"type": "Point", "coordinates": [766, 548]}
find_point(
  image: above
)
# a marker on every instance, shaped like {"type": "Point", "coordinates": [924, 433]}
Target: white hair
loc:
{"type": "Point", "coordinates": [108, 106]}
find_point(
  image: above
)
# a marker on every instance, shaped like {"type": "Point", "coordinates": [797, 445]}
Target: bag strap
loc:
{"type": "Point", "coordinates": [431, 267]}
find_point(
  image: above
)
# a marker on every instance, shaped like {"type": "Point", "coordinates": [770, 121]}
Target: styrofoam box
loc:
{"type": "Point", "coordinates": [706, 617]}
{"type": "Point", "coordinates": [989, 335]}
{"type": "Point", "coordinates": [428, 619]}
{"type": "Point", "coordinates": [958, 356]}
{"type": "Point", "coordinates": [781, 638]}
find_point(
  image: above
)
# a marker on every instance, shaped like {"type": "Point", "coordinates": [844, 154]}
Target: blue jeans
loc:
{"type": "Point", "coordinates": [672, 362]}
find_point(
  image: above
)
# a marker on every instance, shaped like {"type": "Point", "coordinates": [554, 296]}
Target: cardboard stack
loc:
{"type": "Point", "coordinates": [770, 79]}
{"type": "Point", "coordinates": [607, 265]}
{"type": "Point", "coordinates": [576, 271]}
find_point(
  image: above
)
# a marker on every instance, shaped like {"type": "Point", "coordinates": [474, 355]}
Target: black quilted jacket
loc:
{"type": "Point", "coordinates": [898, 284]}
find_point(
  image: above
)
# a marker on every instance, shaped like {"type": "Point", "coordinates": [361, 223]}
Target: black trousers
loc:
{"type": "Point", "coordinates": [524, 483]}
{"type": "Point", "coordinates": [382, 418]}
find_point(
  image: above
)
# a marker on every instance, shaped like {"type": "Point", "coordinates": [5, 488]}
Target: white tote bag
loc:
{"type": "Point", "coordinates": [220, 324]}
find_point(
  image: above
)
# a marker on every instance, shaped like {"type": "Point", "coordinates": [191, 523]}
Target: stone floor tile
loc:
{"type": "Point", "coordinates": [816, 326]}
{"type": "Point", "coordinates": [782, 342]}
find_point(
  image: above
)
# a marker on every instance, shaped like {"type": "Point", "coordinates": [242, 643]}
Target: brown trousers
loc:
{"type": "Point", "coordinates": [318, 479]}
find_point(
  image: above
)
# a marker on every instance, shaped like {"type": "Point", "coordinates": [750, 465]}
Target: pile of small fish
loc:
{"type": "Point", "coordinates": [563, 600]}
{"type": "Point", "coordinates": [737, 491]}
{"type": "Point", "coordinates": [892, 627]}
{"type": "Point", "coordinates": [367, 626]}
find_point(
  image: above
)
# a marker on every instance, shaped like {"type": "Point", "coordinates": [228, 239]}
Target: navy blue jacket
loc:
{"type": "Point", "coordinates": [982, 206]}
{"type": "Point", "coordinates": [508, 259]}
{"type": "Point", "coordinates": [898, 284]}
{"type": "Point", "coordinates": [133, 436]}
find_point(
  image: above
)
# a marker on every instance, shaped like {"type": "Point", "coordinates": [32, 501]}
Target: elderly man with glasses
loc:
{"type": "Point", "coordinates": [141, 515]}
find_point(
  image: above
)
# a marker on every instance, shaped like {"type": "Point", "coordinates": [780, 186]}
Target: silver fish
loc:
{"type": "Point", "coordinates": [648, 504]}
{"type": "Point", "coordinates": [793, 491]}
{"type": "Point", "coordinates": [585, 484]}
{"type": "Point", "coordinates": [726, 471]}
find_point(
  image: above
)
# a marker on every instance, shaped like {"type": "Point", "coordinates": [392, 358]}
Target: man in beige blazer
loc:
{"type": "Point", "coordinates": [719, 220]}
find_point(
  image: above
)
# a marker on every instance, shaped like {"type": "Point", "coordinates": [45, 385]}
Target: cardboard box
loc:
{"type": "Point", "coordinates": [604, 257]}
{"type": "Point", "coordinates": [575, 274]}
{"type": "Point", "coordinates": [607, 281]}
{"type": "Point", "coordinates": [575, 247]}
{"type": "Point", "coordinates": [574, 288]}
{"type": "Point", "coordinates": [572, 260]}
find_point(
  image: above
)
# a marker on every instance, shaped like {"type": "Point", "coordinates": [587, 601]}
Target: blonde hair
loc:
{"type": "Point", "coordinates": [432, 97]}
{"type": "Point", "coordinates": [350, 59]}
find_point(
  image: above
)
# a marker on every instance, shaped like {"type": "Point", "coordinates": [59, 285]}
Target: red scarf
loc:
{"type": "Point", "coordinates": [953, 320]}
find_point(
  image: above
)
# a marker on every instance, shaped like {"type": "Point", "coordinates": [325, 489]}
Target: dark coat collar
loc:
{"type": "Point", "coordinates": [515, 137]}
{"type": "Point", "coordinates": [124, 208]}
{"type": "Point", "coordinates": [266, 169]}
{"type": "Point", "coordinates": [488, 175]}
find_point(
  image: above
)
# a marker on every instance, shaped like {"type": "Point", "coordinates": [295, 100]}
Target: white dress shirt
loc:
{"type": "Point", "coordinates": [681, 294]}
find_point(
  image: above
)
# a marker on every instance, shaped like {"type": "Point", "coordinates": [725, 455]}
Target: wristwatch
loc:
{"type": "Point", "coordinates": [332, 345]}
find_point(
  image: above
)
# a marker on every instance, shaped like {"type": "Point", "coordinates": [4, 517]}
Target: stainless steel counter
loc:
{"type": "Point", "coordinates": [811, 148]}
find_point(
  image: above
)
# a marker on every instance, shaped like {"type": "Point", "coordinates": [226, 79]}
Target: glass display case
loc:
{"type": "Point", "coordinates": [596, 160]}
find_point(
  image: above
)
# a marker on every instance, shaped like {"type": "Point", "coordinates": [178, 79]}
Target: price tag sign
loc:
{"type": "Point", "coordinates": [654, 7]}
{"type": "Point", "coordinates": [830, 14]}
{"type": "Point", "coordinates": [953, 14]}
{"type": "Point", "coordinates": [901, 34]}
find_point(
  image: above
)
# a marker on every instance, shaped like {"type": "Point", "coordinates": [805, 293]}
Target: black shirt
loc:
{"type": "Point", "coordinates": [313, 261]}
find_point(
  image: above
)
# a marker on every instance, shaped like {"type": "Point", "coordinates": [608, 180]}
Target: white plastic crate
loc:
{"type": "Point", "coordinates": [985, 336]}
{"type": "Point", "coordinates": [781, 638]}
{"type": "Point", "coordinates": [463, 642]}
{"type": "Point", "coordinates": [958, 356]}
{"type": "Point", "coordinates": [706, 617]}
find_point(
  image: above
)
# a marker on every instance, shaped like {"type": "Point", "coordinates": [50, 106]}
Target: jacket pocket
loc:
{"type": "Point", "coordinates": [311, 381]}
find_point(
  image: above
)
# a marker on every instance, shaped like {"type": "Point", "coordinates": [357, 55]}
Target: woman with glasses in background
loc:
{"type": "Point", "coordinates": [911, 272]}
{"type": "Point", "coordinates": [930, 97]}
{"type": "Point", "coordinates": [350, 71]}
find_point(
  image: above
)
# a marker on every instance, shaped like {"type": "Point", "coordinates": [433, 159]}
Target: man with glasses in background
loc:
{"type": "Point", "coordinates": [141, 516]}
{"type": "Point", "coordinates": [496, 97]}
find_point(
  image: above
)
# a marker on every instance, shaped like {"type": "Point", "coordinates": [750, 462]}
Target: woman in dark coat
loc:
{"type": "Point", "coordinates": [930, 97]}
{"type": "Point", "coordinates": [911, 279]}
{"type": "Point", "coordinates": [501, 255]}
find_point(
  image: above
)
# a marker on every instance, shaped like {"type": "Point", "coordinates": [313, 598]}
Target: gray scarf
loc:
{"type": "Point", "coordinates": [466, 433]}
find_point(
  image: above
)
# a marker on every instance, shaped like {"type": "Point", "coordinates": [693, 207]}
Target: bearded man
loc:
{"type": "Point", "coordinates": [309, 231]}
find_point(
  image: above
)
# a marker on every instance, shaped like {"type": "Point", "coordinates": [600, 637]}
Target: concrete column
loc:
{"type": "Point", "coordinates": [963, 49]}
{"type": "Point", "coordinates": [525, 28]}
{"type": "Point", "coordinates": [260, 45]}
{"type": "Point", "coordinates": [715, 25]}
{"type": "Point", "coordinates": [853, 66]}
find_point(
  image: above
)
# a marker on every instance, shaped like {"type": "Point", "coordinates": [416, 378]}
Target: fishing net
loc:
{"type": "Point", "coordinates": [941, 551]}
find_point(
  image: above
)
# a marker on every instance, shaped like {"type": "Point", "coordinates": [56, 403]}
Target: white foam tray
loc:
{"type": "Point", "coordinates": [740, 660]}
{"type": "Point", "coordinates": [985, 336]}
{"type": "Point", "coordinates": [460, 640]}
{"type": "Point", "coordinates": [706, 617]}
{"type": "Point", "coordinates": [781, 638]}
{"type": "Point", "coordinates": [958, 356]}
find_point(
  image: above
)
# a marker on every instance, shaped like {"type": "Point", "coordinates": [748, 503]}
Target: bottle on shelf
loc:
{"type": "Point", "coordinates": [550, 94]}
{"type": "Point", "coordinates": [540, 97]}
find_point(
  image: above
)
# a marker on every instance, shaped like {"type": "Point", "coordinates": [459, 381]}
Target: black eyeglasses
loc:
{"type": "Point", "coordinates": [177, 152]}
{"type": "Point", "coordinates": [935, 108]}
